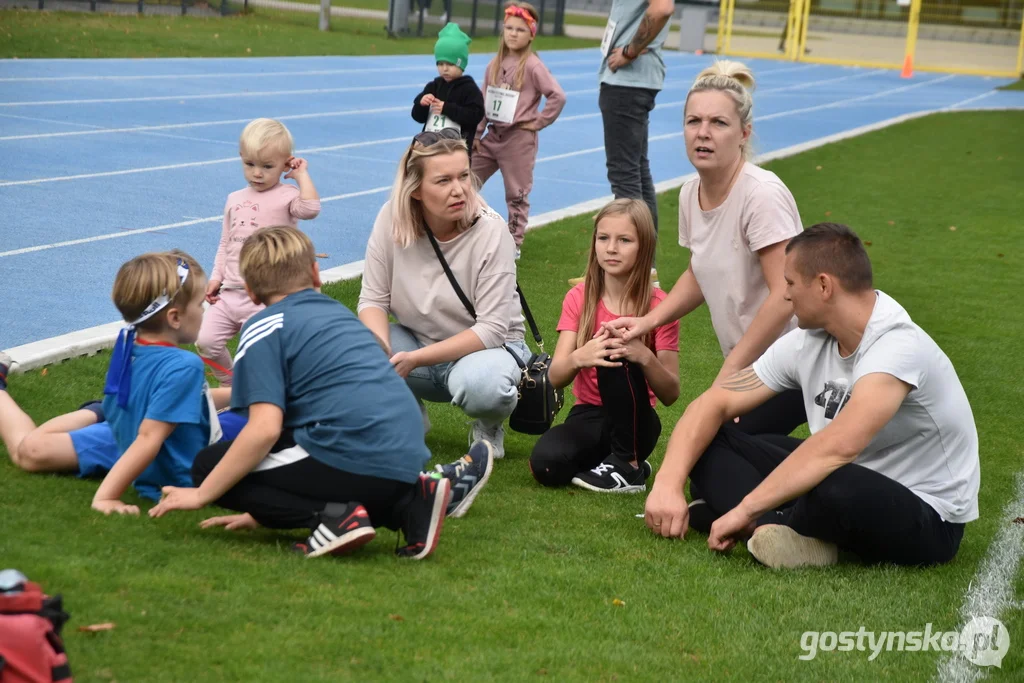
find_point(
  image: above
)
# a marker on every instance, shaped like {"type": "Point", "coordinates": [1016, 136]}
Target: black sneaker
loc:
{"type": "Point", "coordinates": [425, 518]}
{"type": "Point", "coordinates": [342, 529]}
{"type": "Point", "coordinates": [613, 476]}
{"type": "Point", "coordinates": [468, 475]}
{"type": "Point", "coordinates": [701, 516]}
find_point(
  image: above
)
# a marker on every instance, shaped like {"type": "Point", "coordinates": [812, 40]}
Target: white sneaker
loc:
{"type": "Point", "coordinates": [493, 435]}
{"type": "Point", "coordinates": [779, 547]}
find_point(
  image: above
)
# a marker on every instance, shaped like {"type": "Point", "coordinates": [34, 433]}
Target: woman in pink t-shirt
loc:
{"type": "Point", "coordinates": [605, 440]}
{"type": "Point", "coordinates": [736, 219]}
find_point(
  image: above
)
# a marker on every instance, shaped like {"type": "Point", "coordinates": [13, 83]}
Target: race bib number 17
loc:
{"type": "Point", "coordinates": [500, 104]}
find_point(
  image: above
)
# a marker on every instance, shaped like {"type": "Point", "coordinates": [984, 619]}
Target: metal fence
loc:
{"type": "Point", "coordinates": [476, 17]}
{"type": "Point", "coordinates": [164, 7]}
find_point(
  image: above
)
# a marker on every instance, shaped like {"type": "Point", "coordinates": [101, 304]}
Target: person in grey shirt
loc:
{"type": "Point", "coordinates": [631, 75]}
{"type": "Point", "coordinates": [890, 472]}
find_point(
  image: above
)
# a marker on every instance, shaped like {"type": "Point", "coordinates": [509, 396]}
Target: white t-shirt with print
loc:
{"type": "Point", "coordinates": [931, 444]}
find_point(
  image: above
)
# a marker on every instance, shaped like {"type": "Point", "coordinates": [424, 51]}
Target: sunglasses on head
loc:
{"type": "Point", "coordinates": [430, 137]}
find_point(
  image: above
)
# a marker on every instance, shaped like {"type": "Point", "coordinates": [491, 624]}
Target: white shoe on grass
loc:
{"type": "Point", "coordinates": [779, 547]}
{"type": "Point", "coordinates": [494, 435]}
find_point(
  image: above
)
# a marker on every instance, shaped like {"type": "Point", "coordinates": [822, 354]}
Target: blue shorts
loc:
{"type": "Point", "coordinates": [97, 450]}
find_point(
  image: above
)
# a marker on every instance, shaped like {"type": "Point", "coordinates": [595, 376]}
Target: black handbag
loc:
{"type": "Point", "coordinates": [539, 400]}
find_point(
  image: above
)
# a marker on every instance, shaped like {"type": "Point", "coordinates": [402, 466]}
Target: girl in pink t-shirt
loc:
{"type": "Point", "coordinates": [513, 84]}
{"type": "Point", "coordinates": [605, 440]}
{"type": "Point", "coordinates": [266, 151]}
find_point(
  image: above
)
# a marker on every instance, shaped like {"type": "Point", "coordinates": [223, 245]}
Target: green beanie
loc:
{"type": "Point", "coordinates": [452, 46]}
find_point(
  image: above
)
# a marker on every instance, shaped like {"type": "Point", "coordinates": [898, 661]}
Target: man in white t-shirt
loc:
{"type": "Point", "coordinates": [890, 472]}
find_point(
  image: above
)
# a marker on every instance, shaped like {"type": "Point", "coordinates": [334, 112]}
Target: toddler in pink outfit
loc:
{"type": "Point", "coordinates": [266, 150]}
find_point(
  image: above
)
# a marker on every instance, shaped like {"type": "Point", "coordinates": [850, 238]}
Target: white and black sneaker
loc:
{"type": "Point", "coordinates": [614, 476]}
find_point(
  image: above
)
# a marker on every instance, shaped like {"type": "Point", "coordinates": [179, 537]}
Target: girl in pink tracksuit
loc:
{"type": "Point", "coordinates": [266, 150]}
{"type": "Point", "coordinates": [513, 85]}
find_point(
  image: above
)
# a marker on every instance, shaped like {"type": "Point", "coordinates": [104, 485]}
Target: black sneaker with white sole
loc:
{"type": "Point", "coordinates": [614, 475]}
{"type": "Point", "coordinates": [425, 516]}
{"type": "Point", "coordinates": [468, 476]}
{"type": "Point", "coordinates": [342, 529]}
{"type": "Point", "coordinates": [701, 516]}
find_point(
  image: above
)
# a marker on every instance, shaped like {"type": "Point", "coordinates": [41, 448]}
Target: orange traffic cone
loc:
{"type": "Point", "coordinates": [908, 67]}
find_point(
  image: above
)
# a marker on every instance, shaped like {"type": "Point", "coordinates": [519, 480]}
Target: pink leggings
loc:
{"type": "Point", "coordinates": [221, 322]}
{"type": "Point", "coordinates": [514, 152]}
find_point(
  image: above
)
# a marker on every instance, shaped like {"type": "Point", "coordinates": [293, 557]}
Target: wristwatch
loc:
{"type": "Point", "coordinates": [625, 52]}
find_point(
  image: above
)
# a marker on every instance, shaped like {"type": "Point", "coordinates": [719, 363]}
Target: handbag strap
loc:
{"type": "Point", "coordinates": [465, 300]}
{"type": "Point", "coordinates": [451, 276]}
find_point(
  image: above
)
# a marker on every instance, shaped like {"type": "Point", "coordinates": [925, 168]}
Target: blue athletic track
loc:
{"type": "Point", "coordinates": [106, 159]}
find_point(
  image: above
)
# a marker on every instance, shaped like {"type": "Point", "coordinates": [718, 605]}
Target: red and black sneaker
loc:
{"type": "Point", "coordinates": [425, 516]}
{"type": "Point", "coordinates": [342, 529]}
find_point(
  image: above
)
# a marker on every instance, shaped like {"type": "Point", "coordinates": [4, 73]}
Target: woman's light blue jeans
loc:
{"type": "Point", "coordinates": [484, 384]}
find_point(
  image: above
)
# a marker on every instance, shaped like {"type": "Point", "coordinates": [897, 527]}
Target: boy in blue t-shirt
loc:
{"type": "Point", "coordinates": [334, 441]}
{"type": "Point", "coordinates": [157, 403]}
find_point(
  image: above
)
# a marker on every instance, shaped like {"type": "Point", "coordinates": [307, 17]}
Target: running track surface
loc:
{"type": "Point", "coordinates": [106, 159]}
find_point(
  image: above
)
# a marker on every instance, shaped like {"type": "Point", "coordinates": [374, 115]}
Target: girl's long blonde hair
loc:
{"type": "Point", "coordinates": [636, 300]}
{"type": "Point", "coordinates": [407, 217]}
{"type": "Point", "coordinates": [494, 68]}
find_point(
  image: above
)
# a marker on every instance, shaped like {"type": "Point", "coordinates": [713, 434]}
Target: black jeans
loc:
{"type": "Point", "coordinates": [291, 496]}
{"type": "Point", "coordinates": [858, 509]}
{"type": "Point", "coordinates": [625, 426]}
{"type": "Point", "coordinates": [780, 414]}
{"type": "Point", "coordinates": [625, 113]}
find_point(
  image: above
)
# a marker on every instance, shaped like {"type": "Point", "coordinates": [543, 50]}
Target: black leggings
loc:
{"type": "Point", "coordinates": [292, 496]}
{"type": "Point", "coordinates": [858, 509]}
{"type": "Point", "coordinates": [625, 426]}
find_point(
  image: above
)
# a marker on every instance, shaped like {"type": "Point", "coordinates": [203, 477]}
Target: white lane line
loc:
{"type": "Point", "coordinates": [193, 164]}
{"type": "Point", "coordinates": [167, 226]}
{"type": "Point", "coordinates": [991, 591]}
{"type": "Point", "coordinates": [99, 130]}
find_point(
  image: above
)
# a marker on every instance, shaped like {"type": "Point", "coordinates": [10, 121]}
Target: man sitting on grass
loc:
{"type": "Point", "coordinates": [890, 472]}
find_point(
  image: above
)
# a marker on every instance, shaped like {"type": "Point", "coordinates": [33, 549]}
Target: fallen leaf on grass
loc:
{"type": "Point", "coordinates": [45, 372]}
{"type": "Point", "coordinates": [867, 243]}
{"type": "Point", "coordinates": [953, 228]}
{"type": "Point", "coordinates": [892, 222]}
{"type": "Point", "coordinates": [818, 168]}
{"type": "Point", "coordinates": [93, 628]}
{"type": "Point", "coordinates": [828, 213]}
{"type": "Point", "coordinates": [1019, 520]}
{"type": "Point", "coordinates": [999, 255]}
{"type": "Point", "coordinates": [248, 49]}
{"type": "Point", "coordinates": [396, 617]}
{"type": "Point", "coordinates": [323, 255]}
{"type": "Point", "coordinates": [618, 603]}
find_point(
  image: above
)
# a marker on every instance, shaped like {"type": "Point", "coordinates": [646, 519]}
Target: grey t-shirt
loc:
{"type": "Point", "coordinates": [648, 69]}
{"type": "Point", "coordinates": [931, 444]}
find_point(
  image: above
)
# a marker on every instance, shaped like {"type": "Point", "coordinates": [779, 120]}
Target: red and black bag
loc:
{"type": "Point", "coordinates": [31, 650]}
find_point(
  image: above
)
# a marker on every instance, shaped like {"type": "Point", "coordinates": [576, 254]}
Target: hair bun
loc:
{"type": "Point", "coordinates": [738, 71]}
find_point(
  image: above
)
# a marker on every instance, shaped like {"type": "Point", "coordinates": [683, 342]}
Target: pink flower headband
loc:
{"type": "Point", "coordinates": [531, 23]}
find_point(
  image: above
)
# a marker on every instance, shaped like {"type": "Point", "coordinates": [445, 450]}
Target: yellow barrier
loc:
{"type": "Point", "coordinates": [978, 37]}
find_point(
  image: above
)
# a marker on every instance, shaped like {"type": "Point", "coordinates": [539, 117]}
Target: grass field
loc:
{"type": "Point", "coordinates": [1018, 85]}
{"type": "Point", "coordinates": [524, 586]}
{"type": "Point", "coordinates": [260, 33]}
